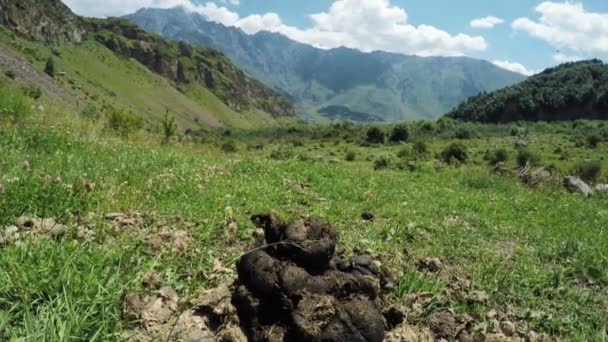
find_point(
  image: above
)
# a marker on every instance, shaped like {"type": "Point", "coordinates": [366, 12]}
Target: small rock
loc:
{"type": "Point", "coordinates": [114, 216]}
{"type": "Point", "coordinates": [537, 176]}
{"type": "Point", "coordinates": [491, 314]}
{"type": "Point", "coordinates": [508, 328]}
{"type": "Point", "coordinates": [479, 297]}
{"type": "Point", "coordinates": [408, 333]}
{"type": "Point", "coordinates": [494, 325]}
{"type": "Point", "coordinates": [575, 184]}
{"type": "Point", "coordinates": [520, 143]}
{"type": "Point", "coordinates": [411, 165]}
{"type": "Point", "coordinates": [601, 188]}
{"type": "Point", "coordinates": [10, 230]}
{"type": "Point", "coordinates": [497, 338]}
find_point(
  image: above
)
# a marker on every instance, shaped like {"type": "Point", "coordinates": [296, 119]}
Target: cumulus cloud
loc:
{"type": "Point", "coordinates": [108, 8]}
{"type": "Point", "coordinates": [568, 25]}
{"type": "Point", "coordinates": [562, 58]}
{"type": "Point", "coordinates": [514, 66]}
{"type": "Point", "coordinates": [367, 25]}
{"type": "Point", "coordinates": [486, 22]}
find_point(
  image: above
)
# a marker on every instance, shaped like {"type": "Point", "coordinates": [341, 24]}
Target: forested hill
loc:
{"type": "Point", "coordinates": [576, 90]}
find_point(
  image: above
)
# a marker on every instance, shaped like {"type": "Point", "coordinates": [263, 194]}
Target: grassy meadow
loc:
{"type": "Point", "coordinates": [539, 253]}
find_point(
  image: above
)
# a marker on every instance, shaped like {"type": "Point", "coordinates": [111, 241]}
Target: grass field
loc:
{"type": "Point", "coordinates": [539, 253]}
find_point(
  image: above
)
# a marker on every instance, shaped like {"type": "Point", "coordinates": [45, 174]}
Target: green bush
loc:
{"type": "Point", "coordinates": [124, 122]}
{"type": "Point", "coordinates": [169, 127]}
{"type": "Point", "coordinates": [454, 152]}
{"type": "Point", "coordinates": [13, 104]}
{"type": "Point", "coordinates": [381, 163]}
{"type": "Point", "coordinates": [282, 153]}
{"type": "Point", "coordinates": [404, 153]}
{"type": "Point", "coordinates": [350, 155]}
{"type": "Point", "coordinates": [375, 135]}
{"type": "Point", "coordinates": [49, 68]}
{"type": "Point", "coordinates": [32, 91]}
{"type": "Point", "coordinates": [229, 147]}
{"type": "Point", "coordinates": [464, 133]}
{"type": "Point", "coordinates": [593, 140]}
{"type": "Point", "coordinates": [428, 127]}
{"type": "Point", "coordinates": [400, 133]}
{"type": "Point", "coordinates": [525, 156]}
{"type": "Point", "coordinates": [90, 111]}
{"type": "Point", "coordinates": [589, 171]}
{"type": "Point", "coordinates": [420, 148]}
{"type": "Point", "coordinates": [497, 156]}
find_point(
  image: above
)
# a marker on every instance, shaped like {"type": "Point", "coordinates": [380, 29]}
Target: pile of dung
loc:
{"type": "Point", "coordinates": [294, 288]}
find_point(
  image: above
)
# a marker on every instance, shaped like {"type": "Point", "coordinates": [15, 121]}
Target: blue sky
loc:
{"type": "Point", "coordinates": [521, 35]}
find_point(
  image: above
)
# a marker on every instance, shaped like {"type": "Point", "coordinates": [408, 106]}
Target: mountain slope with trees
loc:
{"type": "Point", "coordinates": [113, 63]}
{"type": "Point", "coordinates": [376, 86]}
{"type": "Point", "coordinates": [576, 90]}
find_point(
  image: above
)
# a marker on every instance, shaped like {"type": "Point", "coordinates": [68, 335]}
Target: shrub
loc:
{"type": "Point", "coordinates": [589, 171]}
{"type": "Point", "coordinates": [32, 91]}
{"type": "Point", "coordinates": [124, 122]}
{"type": "Point", "coordinates": [400, 133]}
{"type": "Point", "coordinates": [350, 155]}
{"type": "Point", "coordinates": [498, 156]}
{"type": "Point", "coordinates": [404, 152]}
{"type": "Point", "coordinates": [420, 148]}
{"type": "Point", "coordinates": [13, 104]}
{"type": "Point", "coordinates": [170, 127]}
{"type": "Point", "coordinates": [593, 140]}
{"type": "Point", "coordinates": [428, 127]}
{"type": "Point", "coordinates": [10, 74]}
{"type": "Point", "coordinates": [454, 152]}
{"type": "Point", "coordinates": [49, 68]}
{"type": "Point", "coordinates": [281, 153]}
{"type": "Point", "coordinates": [381, 163]}
{"type": "Point", "coordinates": [464, 133]}
{"type": "Point", "coordinates": [375, 135]}
{"type": "Point", "coordinates": [525, 156]}
{"type": "Point", "coordinates": [229, 147]}
{"type": "Point", "coordinates": [90, 112]}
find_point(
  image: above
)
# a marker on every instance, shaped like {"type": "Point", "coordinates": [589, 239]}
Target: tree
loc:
{"type": "Point", "coordinates": [169, 127]}
{"type": "Point", "coordinates": [375, 135]}
{"type": "Point", "coordinates": [49, 68]}
{"type": "Point", "coordinates": [400, 133]}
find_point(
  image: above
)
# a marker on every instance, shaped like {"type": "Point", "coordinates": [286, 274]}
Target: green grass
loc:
{"type": "Point", "coordinates": [541, 250]}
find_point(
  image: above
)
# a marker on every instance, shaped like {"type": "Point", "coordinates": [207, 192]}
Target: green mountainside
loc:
{"type": "Point", "coordinates": [571, 91]}
{"type": "Point", "coordinates": [376, 86]}
{"type": "Point", "coordinates": [115, 64]}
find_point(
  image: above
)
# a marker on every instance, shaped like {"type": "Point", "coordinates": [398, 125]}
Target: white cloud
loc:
{"type": "Point", "coordinates": [108, 8]}
{"type": "Point", "coordinates": [367, 25]}
{"type": "Point", "coordinates": [515, 67]}
{"type": "Point", "coordinates": [486, 22]}
{"type": "Point", "coordinates": [568, 25]}
{"type": "Point", "coordinates": [232, 2]}
{"type": "Point", "coordinates": [562, 58]}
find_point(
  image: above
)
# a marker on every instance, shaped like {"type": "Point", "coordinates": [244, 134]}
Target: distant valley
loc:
{"type": "Point", "coordinates": [339, 83]}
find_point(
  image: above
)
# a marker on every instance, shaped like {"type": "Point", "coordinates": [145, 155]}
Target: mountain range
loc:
{"type": "Point", "coordinates": [339, 83]}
